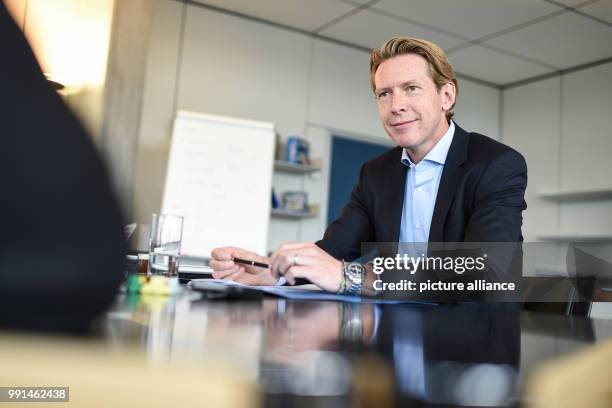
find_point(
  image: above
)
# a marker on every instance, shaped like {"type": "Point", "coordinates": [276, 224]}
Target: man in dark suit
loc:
{"type": "Point", "coordinates": [61, 243]}
{"type": "Point", "coordinates": [441, 184]}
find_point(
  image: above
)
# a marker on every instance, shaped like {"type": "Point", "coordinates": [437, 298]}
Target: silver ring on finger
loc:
{"type": "Point", "coordinates": [295, 260]}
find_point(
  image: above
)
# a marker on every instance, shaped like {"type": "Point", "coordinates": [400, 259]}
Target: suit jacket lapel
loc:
{"type": "Point", "coordinates": [451, 176]}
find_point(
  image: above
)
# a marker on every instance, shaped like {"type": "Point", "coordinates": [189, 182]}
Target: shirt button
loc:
{"type": "Point", "coordinates": [419, 189]}
{"type": "Point", "coordinates": [417, 226]}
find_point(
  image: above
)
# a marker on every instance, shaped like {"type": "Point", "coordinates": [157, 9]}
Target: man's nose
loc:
{"type": "Point", "coordinates": [398, 103]}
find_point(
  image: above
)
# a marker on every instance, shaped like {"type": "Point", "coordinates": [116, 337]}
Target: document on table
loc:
{"type": "Point", "coordinates": [301, 292]}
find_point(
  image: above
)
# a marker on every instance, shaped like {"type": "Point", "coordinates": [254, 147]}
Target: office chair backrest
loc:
{"type": "Point", "coordinates": [559, 295]}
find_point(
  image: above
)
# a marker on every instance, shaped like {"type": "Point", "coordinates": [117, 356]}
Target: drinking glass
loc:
{"type": "Point", "coordinates": [165, 244]}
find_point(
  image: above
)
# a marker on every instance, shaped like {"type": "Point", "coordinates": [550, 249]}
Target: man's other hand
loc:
{"type": "Point", "coordinates": [224, 267]}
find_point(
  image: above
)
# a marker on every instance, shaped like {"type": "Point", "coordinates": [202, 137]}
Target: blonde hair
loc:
{"type": "Point", "coordinates": [440, 69]}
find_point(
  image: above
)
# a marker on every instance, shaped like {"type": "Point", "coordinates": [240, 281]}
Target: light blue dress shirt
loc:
{"type": "Point", "coordinates": [422, 182]}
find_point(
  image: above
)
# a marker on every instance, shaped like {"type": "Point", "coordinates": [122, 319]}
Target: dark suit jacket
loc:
{"type": "Point", "coordinates": [480, 198]}
{"type": "Point", "coordinates": [61, 242]}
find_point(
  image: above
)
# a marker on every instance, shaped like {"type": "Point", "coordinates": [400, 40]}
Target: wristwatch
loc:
{"type": "Point", "coordinates": [353, 274]}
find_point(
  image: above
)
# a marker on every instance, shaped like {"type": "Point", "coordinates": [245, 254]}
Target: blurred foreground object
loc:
{"type": "Point", "coordinates": [579, 380]}
{"type": "Point", "coordinates": [100, 375]}
{"type": "Point", "coordinates": [62, 245]}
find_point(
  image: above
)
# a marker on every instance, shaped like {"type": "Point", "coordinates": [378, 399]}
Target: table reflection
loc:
{"type": "Point", "coordinates": [462, 354]}
{"type": "Point", "coordinates": [456, 354]}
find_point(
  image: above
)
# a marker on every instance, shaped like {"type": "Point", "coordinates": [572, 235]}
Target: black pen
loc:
{"type": "Point", "coordinates": [252, 263]}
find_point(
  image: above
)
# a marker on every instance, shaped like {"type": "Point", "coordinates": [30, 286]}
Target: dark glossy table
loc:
{"type": "Point", "coordinates": [311, 353]}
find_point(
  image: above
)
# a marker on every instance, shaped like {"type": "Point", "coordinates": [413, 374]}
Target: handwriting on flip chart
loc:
{"type": "Point", "coordinates": [219, 179]}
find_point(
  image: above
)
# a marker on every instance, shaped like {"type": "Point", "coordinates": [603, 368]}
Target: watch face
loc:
{"type": "Point", "coordinates": [355, 272]}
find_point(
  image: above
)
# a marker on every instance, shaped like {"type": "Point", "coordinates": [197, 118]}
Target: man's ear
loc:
{"type": "Point", "coordinates": [449, 93]}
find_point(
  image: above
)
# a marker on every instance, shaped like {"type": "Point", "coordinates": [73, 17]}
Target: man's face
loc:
{"type": "Point", "coordinates": [412, 110]}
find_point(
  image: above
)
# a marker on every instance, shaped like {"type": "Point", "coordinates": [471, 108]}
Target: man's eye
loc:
{"type": "Point", "coordinates": [383, 95]}
{"type": "Point", "coordinates": [412, 88]}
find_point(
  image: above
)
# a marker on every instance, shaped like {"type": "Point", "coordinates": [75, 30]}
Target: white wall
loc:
{"type": "Point", "coordinates": [586, 145]}
{"type": "Point", "coordinates": [340, 93]}
{"type": "Point", "coordinates": [237, 67]}
{"type": "Point", "coordinates": [531, 124]}
{"type": "Point", "coordinates": [241, 68]}
{"type": "Point", "coordinates": [157, 113]}
{"type": "Point", "coordinates": [478, 108]}
{"type": "Point", "coordinates": [562, 126]}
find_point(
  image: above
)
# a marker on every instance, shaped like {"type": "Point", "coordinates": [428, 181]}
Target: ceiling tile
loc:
{"type": "Point", "coordinates": [493, 66]}
{"type": "Point", "coordinates": [564, 41]}
{"type": "Point", "coordinates": [469, 18]}
{"type": "Point", "coordinates": [371, 30]}
{"type": "Point", "coordinates": [602, 10]}
{"type": "Point", "coordinates": [295, 13]}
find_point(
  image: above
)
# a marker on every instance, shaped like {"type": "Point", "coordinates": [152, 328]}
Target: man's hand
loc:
{"type": "Point", "coordinates": [306, 260]}
{"type": "Point", "coordinates": [225, 268]}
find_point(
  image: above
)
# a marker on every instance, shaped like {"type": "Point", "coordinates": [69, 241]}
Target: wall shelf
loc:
{"type": "Point", "coordinates": [287, 167]}
{"type": "Point", "coordinates": [576, 195]}
{"type": "Point", "coordinates": [576, 237]}
{"type": "Point", "coordinates": [281, 213]}
{"type": "Point", "coordinates": [566, 196]}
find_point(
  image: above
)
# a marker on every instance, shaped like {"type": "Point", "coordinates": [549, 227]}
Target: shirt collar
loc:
{"type": "Point", "coordinates": [440, 150]}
